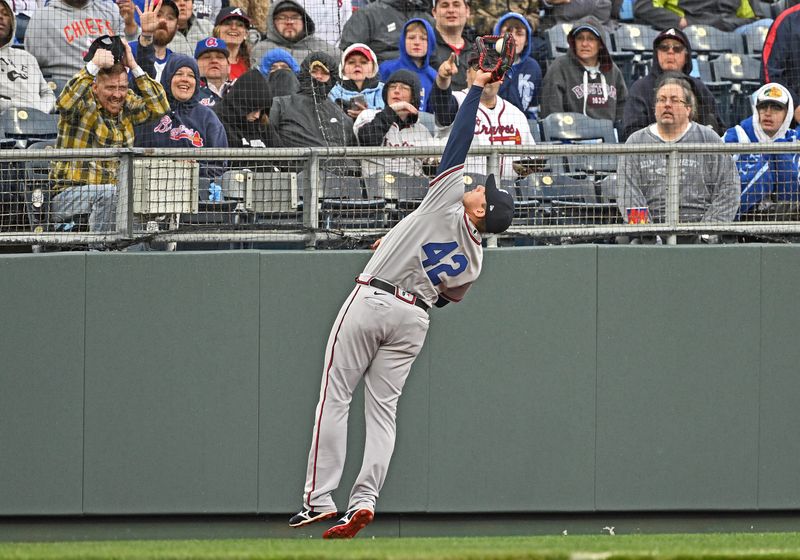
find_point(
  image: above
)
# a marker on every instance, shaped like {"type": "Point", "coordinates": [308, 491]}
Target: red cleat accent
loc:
{"type": "Point", "coordinates": [349, 525]}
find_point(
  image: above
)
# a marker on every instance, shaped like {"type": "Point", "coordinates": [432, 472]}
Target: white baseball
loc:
{"type": "Point", "coordinates": [498, 46]}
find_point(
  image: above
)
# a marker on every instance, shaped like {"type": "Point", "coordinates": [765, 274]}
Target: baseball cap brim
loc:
{"type": "Point", "coordinates": [499, 207]}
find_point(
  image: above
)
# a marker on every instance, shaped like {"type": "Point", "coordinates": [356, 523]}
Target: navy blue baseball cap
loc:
{"type": "Point", "coordinates": [210, 44]}
{"type": "Point", "coordinates": [499, 207]}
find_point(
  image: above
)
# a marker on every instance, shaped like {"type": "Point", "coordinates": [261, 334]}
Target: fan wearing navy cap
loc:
{"type": "Point", "coordinates": [430, 258]}
{"type": "Point", "coordinates": [231, 26]}
{"type": "Point", "coordinates": [211, 55]}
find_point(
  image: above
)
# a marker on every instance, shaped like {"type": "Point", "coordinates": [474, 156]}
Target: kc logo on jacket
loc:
{"type": "Point", "coordinates": [180, 132]}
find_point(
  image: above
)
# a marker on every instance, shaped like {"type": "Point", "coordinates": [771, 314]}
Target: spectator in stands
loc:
{"type": "Point", "coordinates": [60, 33]}
{"type": "Point", "coordinates": [188, 124]}
{"type": "Point", "coordinates": [97, 110]}
{"type": "Point", "coordinates": [585, 79]}
{"type": "Point", "coordinates": [159, 22]}
{"type": "Point", "coordinates": [396, 125]}
{"type": "Point", "coordinates": [708, 183]}
{"type": "Point", "coordinates": [231, 26]}
{"type": "Point", "coordinates": [672, 52]}
{"type": "Point", "coordinates": [21, 82]}
{"type": "Point", "coordinates": [498, 122]}
{"type": "Point", "coordinates": [243, 112]}
{"type": "Point", "coordinates": [781, 57]}
{"type": "Point", "coordinates": [380, 24]}
{"type": "Point", "coordinates": [769, 182]}
{"type": "Point", "coordinates": [359, 87]}
{"type": "Point", "coordinates": [569, 11]}
{"type": "Point", "coordinates": [329, 16]}
{"type": "Point", "coordinates": [450, 17]}
{"type": "Point", "coordinates": [190, 29]}
{"type": "Point", "coordinates": [417, 44]}
{"type": "Point", "coordinates": [211, 55]}
{"type": "Point", "coordinates": [727, 15]}
{"type": "Point", "coordinates": [523, 81]}
{"type": "Point", "coordinates": [289, 27]}
{"type": "Point", "coordinates": [308, 117]}
{"type": "Point", "coordinates": [278, 59]}
{"type": "Point", "coordinates": [256, 9]}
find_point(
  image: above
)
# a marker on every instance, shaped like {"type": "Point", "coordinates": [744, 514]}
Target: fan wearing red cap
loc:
{"type": "Point", "coordinates": [359, 87]}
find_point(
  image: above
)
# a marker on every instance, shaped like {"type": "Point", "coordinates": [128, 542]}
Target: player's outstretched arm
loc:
{"type": "Point", "coordinates": [455, 153]}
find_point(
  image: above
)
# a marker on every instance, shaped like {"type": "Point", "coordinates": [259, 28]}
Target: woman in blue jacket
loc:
{"type": "Point", "coordinates": [770, 189]}
{"type": "Point", "coordinates": [189, 124]}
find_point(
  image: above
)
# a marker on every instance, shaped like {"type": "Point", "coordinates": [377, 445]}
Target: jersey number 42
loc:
{"type": "Point", "coordinates": [435, 252]}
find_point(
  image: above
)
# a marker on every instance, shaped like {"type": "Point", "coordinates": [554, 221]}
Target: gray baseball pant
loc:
{"type": "Point", "coordinates": [376, 336]}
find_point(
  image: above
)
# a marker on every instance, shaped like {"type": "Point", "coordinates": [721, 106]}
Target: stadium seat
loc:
{"type": "Point", "coordinates": [26, 125]}
{"type": "Point", "coordinates": [344, 205]}
{"type": "Point", "coordinates": [558, 199]}
{"type": "Point", "coordinates": [742, 72]}
{"type": "Point", "coordinates": [754, 39]}
{"type": "Point", "coordinates": [403, 193]}
{"type": "Point", "coordinates": [709, 42]}
{"type": "Point", "coordinates": [533, 124]}
{"type": "Point", "coordinates": [578, 128]}
{"type": "Point", "coordinates": [632, 49]}
{"type": "Point", "coordinates": [557, 39]}
{"type": "Point", "coordinates": [428, 120]}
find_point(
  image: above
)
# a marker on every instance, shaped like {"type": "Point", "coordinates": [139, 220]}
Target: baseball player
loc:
{"type": "Point", "coordinates": [430, 258]}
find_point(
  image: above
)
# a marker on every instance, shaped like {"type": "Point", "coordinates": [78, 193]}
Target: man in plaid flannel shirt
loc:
{"type": "Point", "coordinates": [97, 110]}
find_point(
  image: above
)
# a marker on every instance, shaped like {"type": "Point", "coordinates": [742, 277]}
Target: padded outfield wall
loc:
{"type": "Point", "coordinates": [573, 379]}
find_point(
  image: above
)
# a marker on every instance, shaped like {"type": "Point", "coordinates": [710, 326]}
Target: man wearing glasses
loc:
{"type": "Point", "coordinates": [672, 52]}
{"type": "Point", "coordinates": [708, 183]}
{"type": "Point", "coordinates": [289, 27]}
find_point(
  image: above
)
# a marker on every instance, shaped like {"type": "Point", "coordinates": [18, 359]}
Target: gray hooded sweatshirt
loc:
{"type": "Point", "coordinates": [58, 35]}
{"type": "Point", "coordinates": [299, 49]}
{"type": "Point", "coordinates": [708, 183]}
{"type": "Point", "coordinates": [21, 80]}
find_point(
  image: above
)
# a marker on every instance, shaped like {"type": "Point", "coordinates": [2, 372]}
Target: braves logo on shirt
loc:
{"type": "Point", "coordinates": [180, 132]}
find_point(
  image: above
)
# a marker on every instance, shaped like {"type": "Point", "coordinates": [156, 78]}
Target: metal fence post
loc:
{"type": "Point", "coordinates": [493, 167]}
{"type": "Point", "coordinates": [311, 199]}
{"type": "Point", "coordinates": [125, 195]}
{"type": "Point", "coordinates": [673, 195]}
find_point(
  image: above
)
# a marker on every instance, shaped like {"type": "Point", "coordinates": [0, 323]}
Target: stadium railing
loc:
{"type": "Point", "coordinates": [311, 196]}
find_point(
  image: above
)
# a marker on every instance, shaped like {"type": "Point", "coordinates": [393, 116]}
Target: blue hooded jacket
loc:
{"type": "Point", "coordinates": [277, 55]}
{"type": "Point", "coordinates": [522, 82]}
{"type": "Point", "coordinates": [764, 174]}
{"type": "Point", "coordinates": [189, 124]}
{"type": "Point", "coordinates": [426, 74]}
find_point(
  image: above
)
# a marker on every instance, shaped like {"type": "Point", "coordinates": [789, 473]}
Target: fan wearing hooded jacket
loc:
{"type": "Point", "coordinates": [21, 82]}
{"type": "Point", "coordinates": [308, 117]}
{"type": "Point", "coordinates": [189, 123]}
{"type": "Point", "coordinates": [358, 72]}
{"type": "Point", "coordinates": [242, 109]}
{"type": "Point", "coordinates": [300, 45]}
{"type": "Point", "coordinates": [767, 178]}
{"type": "Point", "coordinates": [397, 125]}
{"type": "Point", "coordinates": [524, 79]}
{"type": "Point", "coordinates": [672, 52]}
{"type": "Point", "coordinates": [585, 79]}
{"type": "Point", "coordinates": [417, 62]}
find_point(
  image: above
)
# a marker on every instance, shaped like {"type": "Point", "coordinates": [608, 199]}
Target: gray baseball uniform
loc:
{"type": "Point", "coordinates": [429, 258]}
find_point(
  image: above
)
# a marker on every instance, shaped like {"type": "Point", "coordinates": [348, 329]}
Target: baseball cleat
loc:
{"type": "Point", "coordinates": [352, 522]}
{"type": "Point", "coordinates": [308, 516]}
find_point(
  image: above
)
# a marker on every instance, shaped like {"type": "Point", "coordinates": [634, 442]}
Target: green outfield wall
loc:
{"type": "Point", "coordinates": [572, 379]}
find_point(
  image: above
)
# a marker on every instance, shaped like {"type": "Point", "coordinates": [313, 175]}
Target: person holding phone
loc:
{"type": "Point", "coordinates": [359, 88]}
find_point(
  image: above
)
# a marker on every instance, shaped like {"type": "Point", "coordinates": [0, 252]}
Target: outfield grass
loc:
{"type": "Point", "coordinates": [674, 547]}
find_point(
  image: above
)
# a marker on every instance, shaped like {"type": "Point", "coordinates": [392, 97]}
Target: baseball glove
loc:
{"type": "Point", "coordinates": [496, 54]}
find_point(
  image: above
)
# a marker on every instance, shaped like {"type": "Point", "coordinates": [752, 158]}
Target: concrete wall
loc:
{"type": "Point", "coordinates": [573, 379]}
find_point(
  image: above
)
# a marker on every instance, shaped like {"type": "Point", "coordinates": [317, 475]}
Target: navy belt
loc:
{"type": "Point", "coordinates": [402, 295]}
